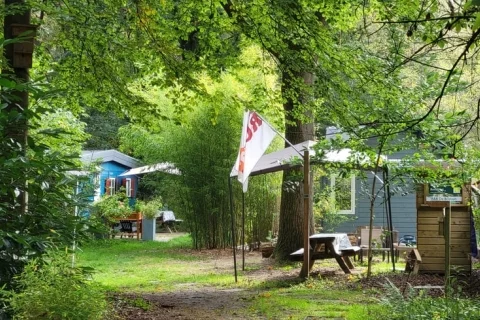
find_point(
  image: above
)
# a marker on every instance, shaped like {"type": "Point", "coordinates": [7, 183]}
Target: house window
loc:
{"type": "Point", "coordinates": [110, 186]}
{"type": "Point", "coordinates": [96, 187]}
{"type": "Point", "coordinates": [343, 193]}
{"type": "Point", "coordinates": [128, 187]}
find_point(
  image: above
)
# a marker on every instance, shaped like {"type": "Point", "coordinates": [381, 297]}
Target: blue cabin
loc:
{"type": "Point", "coordinates": [109, 166]}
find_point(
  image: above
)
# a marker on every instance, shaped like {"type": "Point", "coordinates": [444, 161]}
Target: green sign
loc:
{"type": "Point", "coordinates": [444, 193]}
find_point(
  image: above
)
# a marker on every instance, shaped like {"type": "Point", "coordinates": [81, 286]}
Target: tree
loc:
{"type": "Point", "coordinates": [16, 108]}
{"type": "Point", "coordinates": [103, 129]}
{"type": "Point", "coordinates": [204, 148]}
{"type": "Point", "coordinates": [445, 35]}
{"type": "Point", "coordinates": [324, 71]}
{"type": "Point", "coordinates": [37, 195]}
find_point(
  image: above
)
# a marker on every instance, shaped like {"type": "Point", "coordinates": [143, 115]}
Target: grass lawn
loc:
{"type": "Point", "coordinates": [146, 266]}
{"type": "Point", "coordinates": [131, 266]}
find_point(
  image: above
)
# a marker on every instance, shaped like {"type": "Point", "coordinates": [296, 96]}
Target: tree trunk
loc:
{"type": "Point", "coordinates": [16, 112]}
{"type": "Point", "coordinates": [290, 234]}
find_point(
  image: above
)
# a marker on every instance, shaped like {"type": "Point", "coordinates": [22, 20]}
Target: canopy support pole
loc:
{"type": "Point", "coordinates": [389, 214]}
{"type": "Point", "coordinates": [233, 228]}
{"type": "Point", "coordinates": [305, 272]}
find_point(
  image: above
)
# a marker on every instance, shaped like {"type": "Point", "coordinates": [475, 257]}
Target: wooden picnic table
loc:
{"type": "Point", "coordinates": [329, 246]}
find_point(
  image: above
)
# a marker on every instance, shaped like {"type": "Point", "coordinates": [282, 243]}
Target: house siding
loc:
{"type": "Point", "coordinates": [113, 169]}
{"type": "Point", "coordinates": [110, 170]}
{"type": "Point", "coordinates": [404, 210]}
{"type": "Point", "coordinates": [403, 204]}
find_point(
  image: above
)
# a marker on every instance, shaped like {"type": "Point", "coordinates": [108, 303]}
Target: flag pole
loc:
{"type": "Point", "coordinates": [243, 231]}
{"type": "Point", "coordinates": [281, 136]}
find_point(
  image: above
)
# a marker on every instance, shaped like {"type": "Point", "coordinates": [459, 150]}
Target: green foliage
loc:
{"type": "Point", "coordinates": [111, 207]}
{"type": "Point", "coordinates": [40, 170]}
{"type": "Point", "coordinates": [204, 152]}
{"type": "Point", "coordinates": [204, 148]}
{"type": "Point", "coordinates": [102, 128]}
{"type": "Point", "coordinates": [50, 288]}
{"type": "Point", "coordinates": [149, 209]}
{"type": "Point", "coordinates": [418, 305]}
{"type": "Point", "coordinates": [326, 209]}
{"type": "Point", "coordinates": [326, 61]}
{"type": "Point", "coordinates": [60, 130]}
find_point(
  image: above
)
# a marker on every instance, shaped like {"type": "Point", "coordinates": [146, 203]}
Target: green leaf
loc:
{"type": "Point", "coordinates": [7, 83]}
{"type": "Point", "coordinates": [476, 24]}
{"type": "Point", "coordinates": [458, 27]}
{"type": "Point", "coordinates": [471, 3]}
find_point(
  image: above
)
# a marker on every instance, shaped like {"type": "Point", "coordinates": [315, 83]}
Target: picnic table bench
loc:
{"type": "Point", "coordinates": [329, 246]}
{"type": "Point", "coordinates": [398, 250]}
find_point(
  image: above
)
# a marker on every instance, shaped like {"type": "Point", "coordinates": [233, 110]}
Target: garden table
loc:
{"type": "Point", "coordinates": [330, 246]}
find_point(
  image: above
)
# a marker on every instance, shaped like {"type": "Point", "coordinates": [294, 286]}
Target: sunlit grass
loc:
{"type": "Point", "coordinates": [139, 266]}
{"type": "Point", "coordinates": [314, 298]}
{"type": "Point", "coordinates": [143, 266]}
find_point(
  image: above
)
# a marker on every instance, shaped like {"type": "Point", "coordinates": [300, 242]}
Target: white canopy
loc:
{"type": "Point", "coordinates": [163, 167]}
{"type": "Point", "coordinates": [288, 158]}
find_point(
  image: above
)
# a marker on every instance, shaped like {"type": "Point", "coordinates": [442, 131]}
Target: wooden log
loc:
{"type": "Point", "coordinates": [414, 260]}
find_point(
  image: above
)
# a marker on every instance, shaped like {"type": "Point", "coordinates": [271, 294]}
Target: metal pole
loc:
{"type": "Point", "coordinates": [389, 216]}
{"type": "Point", "coordinates": [243, 231]}
{"type": "Point", "coordinates": [305, 272]}
{"type": "Point", "coordinates": [233, 228]}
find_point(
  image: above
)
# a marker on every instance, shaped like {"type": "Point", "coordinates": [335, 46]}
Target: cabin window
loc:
{"type": "Point", "coordinates": [96, 187]}
{"type": "Point", "coordinates": [110, 186]}
{"type": "Point", "coordinates": [128, 187]}
{"type": "Point", "coordinates": [343, 193]}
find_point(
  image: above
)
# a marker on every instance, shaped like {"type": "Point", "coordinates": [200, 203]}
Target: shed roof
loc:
{"type": "Point", "coordinates": [89, 156]}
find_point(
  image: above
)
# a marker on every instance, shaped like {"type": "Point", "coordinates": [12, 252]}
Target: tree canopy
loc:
{"type": "Point", "coordinates": [180, 73]}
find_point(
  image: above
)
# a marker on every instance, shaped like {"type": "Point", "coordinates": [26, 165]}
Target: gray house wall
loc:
{"type": "Point", "coordinates": [403, 203]}
{"type": "Point", "coordinates": [404, 212]}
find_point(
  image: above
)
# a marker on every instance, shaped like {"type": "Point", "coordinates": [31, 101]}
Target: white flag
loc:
{"type": "Point", "coordinates": [257, 135]}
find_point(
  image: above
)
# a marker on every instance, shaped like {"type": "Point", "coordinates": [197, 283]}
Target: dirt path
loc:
{"type": "Point", "coordinates": [190, 301]}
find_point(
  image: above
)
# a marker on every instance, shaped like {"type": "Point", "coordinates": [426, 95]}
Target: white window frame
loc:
{"type": "Point", "coordinates": [352, 193]}
{"type": "Point", "coordinates": [128, 187]}
{"type": "Point", "coordinates": [112, 186]}
{"type": "Point", "coordinates": [96, 187]}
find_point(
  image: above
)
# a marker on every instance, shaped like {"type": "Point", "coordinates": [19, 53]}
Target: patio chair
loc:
{"type": "Point", "coordinates": [126, 228]}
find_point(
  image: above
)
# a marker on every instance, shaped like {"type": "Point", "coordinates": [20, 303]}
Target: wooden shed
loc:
{"type": "Point", "coordinates": [444, 212]}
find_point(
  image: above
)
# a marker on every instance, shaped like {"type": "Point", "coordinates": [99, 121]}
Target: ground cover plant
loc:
{"type": "Point", "coordinates": [167, 280]}
{"type": "Point", "coordinates": [51, 288]}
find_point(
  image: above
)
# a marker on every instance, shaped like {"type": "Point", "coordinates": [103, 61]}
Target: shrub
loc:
{"type": "Point", "coordinates": [417, 305]}
{"type": "Point", "coordinates": [53, 289]}
{"type": "Point", "coordinates": [149, 209]}
{"type": "Point", "coordinates": [111, 207]}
